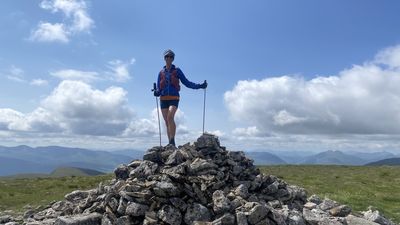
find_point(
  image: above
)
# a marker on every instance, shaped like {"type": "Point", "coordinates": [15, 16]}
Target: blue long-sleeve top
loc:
{"type": "Point", "coordinates": [170, 91]}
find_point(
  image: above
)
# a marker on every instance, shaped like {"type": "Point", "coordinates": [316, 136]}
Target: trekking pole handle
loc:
{"type": "Point", "coordinates": [154, 87]}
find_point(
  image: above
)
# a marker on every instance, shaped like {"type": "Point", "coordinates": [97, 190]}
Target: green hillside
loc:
{"type": "Point", "coordinates": [356, 186]}
{"type": "Point", "coordinates": [74, 171]}
{"type": "Point", "coordinates": [17, 193]}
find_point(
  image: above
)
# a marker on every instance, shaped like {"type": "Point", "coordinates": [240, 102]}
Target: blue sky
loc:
{"type": "Point", "coordinates": [283, 75]}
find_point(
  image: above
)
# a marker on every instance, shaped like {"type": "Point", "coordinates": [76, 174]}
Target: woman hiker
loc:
{"type": "Point", "coordinates": [168, 89]}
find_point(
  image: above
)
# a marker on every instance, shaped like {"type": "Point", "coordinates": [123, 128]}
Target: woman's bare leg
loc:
{"type": "Point", "coordinates": [171, 123]}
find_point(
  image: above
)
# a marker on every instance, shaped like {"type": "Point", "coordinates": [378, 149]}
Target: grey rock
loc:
{"type": "Point", "coordinates": [241, 218]}
{"type": "Point", "coordinates": [122, 172]}
{"type": "Point", "coordinates": [272, 188]}
{"type": "Point", "coordinates": [341, 211]}
{"type": "Point", "coordinates": [242, 191]}
{"type": "Point", "coordinates": [295, 218]}
{"type": "Point", "coordinates": [170, 215]}
{"type": "Point", "coordinates": [256, 213]}
{"type": "Point", "coordinates": [124, 220]}
{"type": "Point", "coordinates": [122, 206]}
{"type": "Point", "coordinates": [28, 214]}
{"type": "Point", "coordinates": [353, 220]}
{"type": "Point", "coordinates": [315, 199]}
{"type": "Point", "coordinates": [175, 158]}
{"type": "Point", "coordinates": [226, 219]}
{"type": "Point", "coordinates": [5, 219]}
{"type": "Point", "coordinates": [153, 155]}
{"type": "Point", "coordinates": [201, 164]}
{"type": "Point", "coordinates": [199, 194]}
{"type": "Point", "coordinates": [64, 206]}
{"type": "Point", "coordinates": [136, 209]}
{"type": "Point", "coordinates": [145, 169]}
{"type": "Point", "coordinates": [178, 203]}
{"type": "Point", "coordinates": [375, 216]}
{"type": "Point", "coordinates": [197, 212]}
{"type": "Point", "coordinates": [89, 219]}
{"type": "Point", "coordinates": [207, 141]}
{"type": "Point", "coordinates": [278, 216]}
{"type": "Point", "coordinates": [310, 205]}
{"type": "Point", "coordinates": [327, 204]}
{"type": "Point", "coordinates": [166, 189]}
{"type": "Point", "coordinates": [221, 203]}
{"type": "Point", "coordinates": [12, 223]}
{"type": "Point", "coordinates": [314, 216]}
{"type": "Point", "coordinates": [76, 195]}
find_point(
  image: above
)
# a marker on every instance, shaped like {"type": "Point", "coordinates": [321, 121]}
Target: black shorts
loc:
{"type": "Point", "coordinates": [165, 104]}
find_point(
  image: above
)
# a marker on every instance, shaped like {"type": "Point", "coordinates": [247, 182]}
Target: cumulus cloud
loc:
{"type": "Point", "coordinates": [84, 110]}
{"type": "Point", "coordinates": [12, 120]}
{"type": "Point", "coordinates": [364, 99]}
{"type": "Point", "coordinates": [74, 107]}
{"type": "Point", "coordinates": [119, 70]}
{"type": "Point", "coordinates": [70, 74]}
{"type": "Point", "coordinates": [75, 20]}
{"type": "Point", "coordinates": [47, 32]}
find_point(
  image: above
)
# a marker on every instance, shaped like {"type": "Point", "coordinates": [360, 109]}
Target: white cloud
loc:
{"type": "Point", "coordinates": [76, 20]}
{"type": "Point", "coordinates": [12, 120]}
{"type": "Point", "coordinates": [246, 132]}
{"type": "Point", "coordinates": [74, 107]}
{"type": "Point", "coordinates": [69, 74]}
{"type": "Point", "coordinates": [364, 99]}
{"type": "Point", "coordinates": [283, 118]}
{"type": "Point", "coordinates": [84, 110]}
{"type": "Point", "coordinates": [389, 56]}
{"type": "Point", "coordinates": [120, 70]}
{"type": "Point", "coordinates": [218, 133]}
{"type": "Point", "coordinates": [16, 74]}
{"type": "Point", "coordinates": [39, 82]}
{"type": "Point", "coordinates": [47, 32]}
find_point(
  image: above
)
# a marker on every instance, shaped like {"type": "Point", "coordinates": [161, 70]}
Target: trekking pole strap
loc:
{"type": "Point", "coordinates": [158, 113]}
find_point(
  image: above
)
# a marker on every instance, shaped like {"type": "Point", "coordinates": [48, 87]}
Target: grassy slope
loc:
{"type": "Point", "coordinates": [16, 193]}
{"type": "Point", "coordinates": [73, 171]}
{"type": "Point", "coordinates": [356, 186]}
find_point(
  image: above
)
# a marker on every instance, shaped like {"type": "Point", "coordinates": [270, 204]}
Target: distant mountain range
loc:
{"type": "Point", "coordinates": [265, 158]}
{"type": "Point", "coordinates": [25, 159]}
{"type": "Point", "coordinates": [323, 158]}
{"type": "Point", "coordinates": [43, 160]}
{"type": "Point", "coordinates": [387, 162]}
{"type": "Point", "coordinates": [58, 172]}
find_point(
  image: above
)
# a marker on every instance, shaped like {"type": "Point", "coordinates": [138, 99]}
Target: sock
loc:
{"type": "Point", "coordinates": [172, 141]}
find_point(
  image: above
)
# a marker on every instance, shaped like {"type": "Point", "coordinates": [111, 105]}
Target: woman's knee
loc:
{"type": "Point", "coordinates": [170, 119]}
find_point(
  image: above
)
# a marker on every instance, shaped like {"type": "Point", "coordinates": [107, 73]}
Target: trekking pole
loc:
{"type": "Point", "coordinates": [158, 113]}
{"type": "Point", "coordinates": [204, 105]}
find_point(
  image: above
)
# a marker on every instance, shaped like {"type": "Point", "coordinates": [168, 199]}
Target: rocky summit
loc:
{"type": "Point", "coordinates": [195, 184]}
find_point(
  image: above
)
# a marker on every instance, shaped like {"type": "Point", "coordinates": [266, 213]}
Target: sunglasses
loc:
{"type": "Point", "coordinates": [169, 56]}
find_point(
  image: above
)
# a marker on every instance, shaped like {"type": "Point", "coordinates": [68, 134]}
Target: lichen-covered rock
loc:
{"type": "Point", "coordinates": [197, 212]}
{"type": "Point", "coordinates": [170, 215]}
{"type": "Point", "coordinates": [341, 211]}
{"type": "Point", "coordinates": [136, 209]}
{"type": "Point", "coordinates": [375, 216]}
{"type": "Point", "coordinates": [89, 219]}
{"type": "Point", "coordinates": [221, 203]}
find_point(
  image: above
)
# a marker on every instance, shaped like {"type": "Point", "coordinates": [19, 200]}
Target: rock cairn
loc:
{"type": "Point", "coordinates": [199, 184]}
